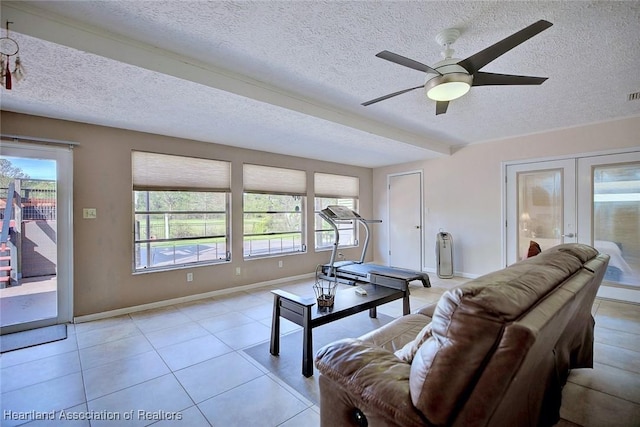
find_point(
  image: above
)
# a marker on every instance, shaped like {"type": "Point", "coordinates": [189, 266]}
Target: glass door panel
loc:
{"type": "Point", "coordinates": [616, 220]}
{"type": "Point", "coordinates": [28, 254]}
{"type": "Point", "coordinates": [35, 269]}
{"type": "Point", "coordinates": [540, 209]}
{"type": "Point", "coordinates": [540, 206]}
{"type": "Point", "coordinates": [609, 202]}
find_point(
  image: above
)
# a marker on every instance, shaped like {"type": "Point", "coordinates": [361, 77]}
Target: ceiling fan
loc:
{"type": "Point", "coordinates": [452, 78]}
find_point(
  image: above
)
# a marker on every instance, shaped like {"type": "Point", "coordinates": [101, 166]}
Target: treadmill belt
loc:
{"type": "Point", "coordinates": [355, 269]}
{"type": "Point", "coordinates": [364, 270]}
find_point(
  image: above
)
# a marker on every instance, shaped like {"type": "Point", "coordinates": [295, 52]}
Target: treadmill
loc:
{"type": "Point", "coordinates": [359, 272]}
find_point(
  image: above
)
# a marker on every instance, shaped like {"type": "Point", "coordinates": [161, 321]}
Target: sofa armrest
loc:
{"type": "Point", "coordinates": [427, 310]}
{"type": "Point", "coordinates": [395, 334]}
{"type": "Point", "coordinates": [376, 381]}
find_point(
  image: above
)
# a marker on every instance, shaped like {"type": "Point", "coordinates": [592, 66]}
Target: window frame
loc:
{"type": "Point", "coordinates": [341, 225]}
{"type": "Point", "coordinates": [269, 181]}
{"type": "Point", "coordinates": [248, 254]}
{"type": "Point", "coordinates": [149, 266]}
{"type": "Point", "coordinates": [153, 173]}
{"type": "Point", "coordinates": [339, 188]}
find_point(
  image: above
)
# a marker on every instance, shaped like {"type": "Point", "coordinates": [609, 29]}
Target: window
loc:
{"type": "Point", "coordinates": [335, 190]}
{"type": "Point", "coordinates": [181, 214]}
{"type": "Point", "coordinates": [274, 210]}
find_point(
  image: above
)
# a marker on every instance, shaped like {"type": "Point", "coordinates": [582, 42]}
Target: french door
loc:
{"type": "Point", "coordinates": [41, 243]}
{"type": "Point", "coordinates": [591, 199]}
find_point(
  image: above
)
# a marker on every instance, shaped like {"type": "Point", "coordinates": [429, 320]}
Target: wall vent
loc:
{"type": "Point", "coordinates": [634, 96]}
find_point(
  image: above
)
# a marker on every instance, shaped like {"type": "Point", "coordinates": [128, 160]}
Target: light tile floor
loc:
{"type": "Point", "coordinates": [186, 361]}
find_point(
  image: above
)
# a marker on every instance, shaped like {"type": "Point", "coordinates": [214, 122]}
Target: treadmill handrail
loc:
{"type": "Point", "coordinates": [328, 215]}
{"type": "Point", "coordinates": [366, 241]}
{"type": "Point", "coordinates": [336, 241]}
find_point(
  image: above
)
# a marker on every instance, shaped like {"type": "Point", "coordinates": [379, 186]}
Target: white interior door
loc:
{"type": "Point", "coordinates": [42, 293]}
{"type": "Point", "coordinates": [541, 206]}
{"type": "Point", "coordinates": [405, 220]}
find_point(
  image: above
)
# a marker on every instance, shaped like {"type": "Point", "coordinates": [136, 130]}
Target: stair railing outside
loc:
{"type": "Point", "coordinates": [8, 214]}
{"type": "Point", "coordinates": [13, 197]}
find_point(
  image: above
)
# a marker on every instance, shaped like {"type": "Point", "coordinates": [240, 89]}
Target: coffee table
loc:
{"type": "Point", "coordinates": [301, 311]}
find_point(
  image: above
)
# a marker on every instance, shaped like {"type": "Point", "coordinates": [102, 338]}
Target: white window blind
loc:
{"type": "Point", "coordinates": [152, 171]}
{"type": "Point", "coordinates": [267, 179]}
{"type": "Point", "coordinates": [329, 185]}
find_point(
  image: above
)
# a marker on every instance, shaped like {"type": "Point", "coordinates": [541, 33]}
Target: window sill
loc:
{"type": "Point", "coordinates": [179, 267]}
{"type": "Point", "coordinates": [278, 255]}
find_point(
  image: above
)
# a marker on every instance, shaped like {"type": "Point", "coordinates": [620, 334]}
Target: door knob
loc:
{"type": "Point", "coordinates": [570, 235]}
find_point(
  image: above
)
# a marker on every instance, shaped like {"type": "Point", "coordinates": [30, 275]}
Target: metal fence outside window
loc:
{"type": "Point", "coordinates": [38, 200]}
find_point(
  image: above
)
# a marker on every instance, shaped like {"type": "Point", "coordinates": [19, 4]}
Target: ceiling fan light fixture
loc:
{"type": "Point", "coordinates": [448, 86]}
{"type": "Point", "coordinates": [454, 77]}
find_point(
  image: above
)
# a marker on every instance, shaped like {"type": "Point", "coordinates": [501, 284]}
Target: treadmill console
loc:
{"type": "Point", "coordinates": [339, 213]}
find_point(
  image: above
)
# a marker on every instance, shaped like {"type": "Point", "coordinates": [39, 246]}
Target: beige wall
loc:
{"type": "Point", "coordinates": [463, 192]}
{"type": "Point", "coordinates": [103, 252]}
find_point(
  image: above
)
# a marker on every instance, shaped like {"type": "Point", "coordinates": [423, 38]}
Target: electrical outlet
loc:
{"type": "Point", "coordinates": [89, 213]}
{"type": "Point", "coordinates": [189, 277]}
{"type": "Point", "coordinates": [280, 264]}
{"type": "Point", "coordinates": [238, 271]}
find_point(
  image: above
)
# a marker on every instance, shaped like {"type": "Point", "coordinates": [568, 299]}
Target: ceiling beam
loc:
{"type": "Point", "coordinates": [44, 25]}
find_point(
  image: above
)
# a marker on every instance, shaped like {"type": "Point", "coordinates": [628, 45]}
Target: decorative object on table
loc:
{"type": "Point", "coordinates": [325, 290]}
{"type": "Point", "coordinates": [8, 48]}
{"type": "Point", "coordinates": [361, 291]}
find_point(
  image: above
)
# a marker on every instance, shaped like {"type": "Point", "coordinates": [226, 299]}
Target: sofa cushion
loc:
{"type": "Point", "coordinates": [583, 252]}
{"type": "Point", "coordinates": [534, 249]}
{"type": "Point", "coordinates": [395, 334]}
{"type": "Point", "coordinates": [468, 323]}
{"type": "Point", "coordinates": [408, 352]}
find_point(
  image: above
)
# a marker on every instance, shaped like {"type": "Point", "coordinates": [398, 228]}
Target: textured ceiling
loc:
{"type": "Point", "coordinates": [289, 77]}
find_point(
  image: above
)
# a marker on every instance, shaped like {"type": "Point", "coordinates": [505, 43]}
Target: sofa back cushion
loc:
{"type": "Point", "coordinates": [468, 325]}
{"type": "Point", "coordinates": [560, 323]}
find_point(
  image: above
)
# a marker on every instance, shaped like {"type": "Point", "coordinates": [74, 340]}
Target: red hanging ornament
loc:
{"type": "Point", "coordinates": [8, 48]}
{"type": "Point", "coordinates": [7, 82]}
{"type": "Point", "coordinates": [2, 70]}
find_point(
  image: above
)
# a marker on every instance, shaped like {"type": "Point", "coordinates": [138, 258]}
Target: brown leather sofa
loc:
{"type": "Point", "coordinates": [495, 351]}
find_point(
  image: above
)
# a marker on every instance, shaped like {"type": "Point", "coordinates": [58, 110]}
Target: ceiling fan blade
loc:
{"type": "Point", "coordinates": [391, 95]}
{"type": "Point", "coordinates": [441, 107]}
{"type": "Point", "coordinates": [473, 63]}
{"type": "Point", "coordinates": [401, 60]}
{"type": "Point", "coordinates": [490, 79]}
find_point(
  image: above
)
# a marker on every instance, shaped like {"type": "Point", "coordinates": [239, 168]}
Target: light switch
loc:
{"type": "Point", "coordinates": [89, 213]}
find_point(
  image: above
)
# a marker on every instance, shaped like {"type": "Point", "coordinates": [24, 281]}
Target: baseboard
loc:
{"type": "Point", "coordinates": [466, 275]}
{"type": "Point", "coordinates": [189, 298]}
{"type": "Point", "coordinates": [618, 294]}
{"type": "Point", "coordinates": [455, 273]}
